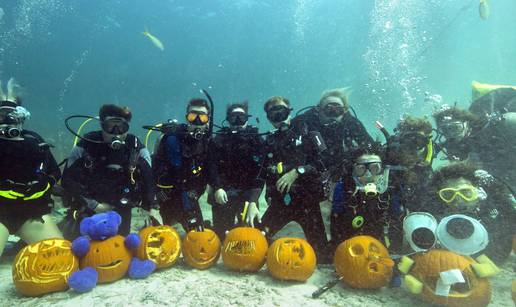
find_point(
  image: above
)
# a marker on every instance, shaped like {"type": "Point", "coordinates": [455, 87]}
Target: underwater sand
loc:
{"type": "Point", "coordinates": [181, 285]}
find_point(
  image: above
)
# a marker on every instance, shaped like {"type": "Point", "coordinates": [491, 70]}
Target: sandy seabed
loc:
{"type": "Point", "coordinates": [181, 285]}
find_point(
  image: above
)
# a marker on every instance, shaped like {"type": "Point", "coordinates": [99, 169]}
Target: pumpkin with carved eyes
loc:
{"type": "Point", "coordinates": [291, 259]}
{"type": "Point", "coordinates": [428, 267]}
{"type": "Point", "coordinates": [244, 249]}
{"type": "Point", "coordinates": [160, 244]}
{"type": "Point", "coordinates": [110, 258]}
{"type": "Point", "coordinates": [363, 262]}
{"type": "Point", "coordinates": [201, 249]}
{"type": "Point", "coordinates": [44, 267]}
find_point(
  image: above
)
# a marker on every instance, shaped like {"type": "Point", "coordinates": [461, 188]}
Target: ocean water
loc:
{"type": "Point", "coordinates": [397, 56]}
{"type": "Point", "coordinates": [72, 56]}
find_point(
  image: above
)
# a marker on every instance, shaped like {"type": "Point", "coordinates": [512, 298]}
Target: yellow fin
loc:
{"type": "Point", "coordinates": [405, 264]}
{"type": "Point", "coordinates": [413, 284]}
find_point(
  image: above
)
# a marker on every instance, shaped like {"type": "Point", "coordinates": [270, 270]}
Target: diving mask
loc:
{"type": "Point", "coordinates": [197, 118]}
{"type": "Point", "coordinates": [453, 129]}
{"type": "Point", "coordinates": [414, 140]}
{"type": "Point", "coordinates": [467, 192]}
{"type": "Point", "coordinates": [115, 125]}
{"type": "Point", "coordinates": [373, 168]}
{"type": "Point", "coordinates": [333, 110]}
{"type": "Point", "coordinates": [237, 118]}
{"type": "Point", "coordinates": [278, 113]}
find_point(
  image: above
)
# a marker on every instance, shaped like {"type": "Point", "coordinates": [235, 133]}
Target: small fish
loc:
{"type": "Point", "coordinates": [483, 9]}
{"type": "Point", "coordinates": [154, 40]}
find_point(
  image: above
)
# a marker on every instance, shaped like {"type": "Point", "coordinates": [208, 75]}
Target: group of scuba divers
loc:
{"type": "Point", "coordinates": [323, 153]}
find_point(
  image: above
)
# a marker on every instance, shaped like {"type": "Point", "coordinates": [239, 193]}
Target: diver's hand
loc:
{"type": "Point", "coordinates": [221, 197]}
{"type": "Point", "coordinates": [252, 214]}
{"type": "Point", "coordinates": [154, 214]}
{"type": "Point", "coordinates": [102, 207]}
{"type": "Point", "coordinates": [285, 182]}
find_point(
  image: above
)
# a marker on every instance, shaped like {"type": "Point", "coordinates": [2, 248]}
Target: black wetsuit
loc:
{"type": "Point", "coordinates": [339, 137]}
{"type": "Point", "coordinates": [293, 148]}
{"type": "Point", "coordinates": [27, 167]}
{"type": "Point", "coordinates": [236, 157]}
{"type": "Point", "coordinates": [96, 173]}
{"type": "Point", "coordinates": [181, 171]}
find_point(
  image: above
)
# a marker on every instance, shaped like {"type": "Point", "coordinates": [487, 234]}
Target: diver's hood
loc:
{"type": "Point", "coordinates": [419, 230]}
{"type": "Point", "coordinates": [462, 234]}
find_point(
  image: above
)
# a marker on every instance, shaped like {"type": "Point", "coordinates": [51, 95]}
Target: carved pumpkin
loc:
{"type": "Point", "coordinates": [291, 259]}
{"type": "Point", "coordinates": [201, 249]}
{"type": "Point", "coordinates": [427, 268]}
{"type": "Point", "coordinates": [245, 249]}
{"type": "Point", "coordinates": [160, 244]}
{"type": "Point", "coordinates": [44, 267]}
{"type": "Point", "coordinates": [110, 258]}
{"type": "Point", "coordinates": [363, 262]}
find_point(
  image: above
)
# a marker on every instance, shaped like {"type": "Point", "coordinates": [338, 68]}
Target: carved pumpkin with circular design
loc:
{"type": "Point", "coordinates": [201, 249]}
{"type": "Point", "coordinates": [291, 259]}
{"type": "Point", "coordinates": [160, 244]}
{"type": "Point", "coordinates": [244, 249]}
{"type": "Point", "coordinates": [363, 262]}
{"type": "Point", "coordinates": [427, 268]}
{"type": "Point", "coordinates": [110, 258]}
{"type": "Point", "coordinates": [44, 267]}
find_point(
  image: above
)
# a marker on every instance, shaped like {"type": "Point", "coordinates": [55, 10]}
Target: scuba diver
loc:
{"type": "Point", "coordinates": [341, 131]}
{"type": "Point", "coordinates": [292, 169]}
{"type": "Point", "coordinates": [410, 152]}
{"type": "Point", "coordinates": [484, 134]}
{"type": "Point", "coordinates": [29, 171]}
{"type": "Point", "coordinates": [462, 188]}
{"type": "Point", "coordinates": [181, 165]}
{"type": "Point", "coordinates": [236, 155]}
{"type": "Point", "coordinates": [365, 204]}
{"type": "Point", "coordinates": [109, 170]}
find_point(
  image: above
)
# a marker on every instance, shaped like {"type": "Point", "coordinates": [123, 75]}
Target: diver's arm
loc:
{"type": "Point", "coordinates": [71, 180]}
{"type": "Point", "coordinates": [149, 188]}
{"type": "Point", "coordinates": [212, 166]}
{"type": "Point", "coordinates": [51, 168]}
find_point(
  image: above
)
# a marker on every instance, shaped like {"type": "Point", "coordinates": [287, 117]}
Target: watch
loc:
{"type": "Point", "coordinates": [301, 170]}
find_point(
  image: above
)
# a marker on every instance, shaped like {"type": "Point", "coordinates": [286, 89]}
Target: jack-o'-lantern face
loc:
{"type": "Point", "coordinates": [110, 258]}
{"type": "Point", "coordinates": [160, 244]}
{"type": "Point", "coordinates": [291, 259]}
{"type": "Point", "coordinates": [245, 249]}
{"type": "Point", "coordinates": [201, 249]}
{"type": "Point", "coordinates": [363, 262]}
{"type": "Point", "coordinates": [428, 268]}
{"type": "Point", "coordinates": [44, 267]}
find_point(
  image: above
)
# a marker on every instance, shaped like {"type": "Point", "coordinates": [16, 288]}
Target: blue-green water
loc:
{"type": "Point", "coordinates": [397, 56]}
{"type": "Point", "coordinates": [71, 56]}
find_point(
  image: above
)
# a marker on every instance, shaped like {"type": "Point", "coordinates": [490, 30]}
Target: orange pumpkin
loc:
{"type": "Point", "coordinates": [44, 267]}
{"type": "Point", "coordinates": [110, 258]}
{"type": "Point", "coordinates": [245, 249]}
{"type": "Point", "coordinates": [291, 259]}
{"type": "Point", "coordinates": [160, 244]}
{"type": "Point", "coordinates": [427, 268]}
{"type": "Point", "coordinates": [201, 249]}
{"type": "Point", "coordinates": [363, 262]}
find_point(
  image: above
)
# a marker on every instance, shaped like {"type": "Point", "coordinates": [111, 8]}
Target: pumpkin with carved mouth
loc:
{"type": "Point", "coordinates": [244, 249]}
{"type": "Point", "coordinates": [201, 249]}
{"type": "Point", "coordinates": [363, 262]}
{"type": "Point", "coordinates": [110, 258]}
{"type": "Point", "coordinates": [160, 244]}
{"type": "Point", "coordinates": [291, 259]}
{"type": "Point", "coordinates": [44, 267]}
{"type": "Point", "coordinates": [428, 267]}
